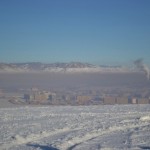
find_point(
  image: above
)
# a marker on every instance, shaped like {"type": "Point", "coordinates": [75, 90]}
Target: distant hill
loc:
{"type": "Point", "coordinates": [72, 67]}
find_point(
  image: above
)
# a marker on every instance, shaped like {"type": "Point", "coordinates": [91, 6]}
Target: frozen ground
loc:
{"type": "Point", "coordinates": [4, 103]}
{"type": "Point", "coordinates": [75, 127]}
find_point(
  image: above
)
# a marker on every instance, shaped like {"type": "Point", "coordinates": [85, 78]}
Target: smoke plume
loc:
{"type": "Point", "coordinates": [143, 67]}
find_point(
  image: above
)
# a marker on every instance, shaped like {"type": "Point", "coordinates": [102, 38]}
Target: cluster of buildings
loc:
{"type": "Point", "coordinates": [38, 96]}
{"type": "Point", "coordinates": [108, 100]}
{"type": "Point", "coordinates": [125, 100]}
{"type": "Point", "coordinates": [34, 95]}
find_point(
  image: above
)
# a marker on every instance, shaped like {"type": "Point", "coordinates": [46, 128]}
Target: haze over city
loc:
{"type": "Point", "coordinates": [74, 74]}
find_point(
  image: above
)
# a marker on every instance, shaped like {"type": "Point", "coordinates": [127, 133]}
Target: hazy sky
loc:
{"type": "Point", "coordinates": [94, 31]}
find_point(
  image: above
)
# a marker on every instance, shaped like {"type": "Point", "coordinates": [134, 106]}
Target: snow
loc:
{"type": "Point", "coordinates": [75, 127]}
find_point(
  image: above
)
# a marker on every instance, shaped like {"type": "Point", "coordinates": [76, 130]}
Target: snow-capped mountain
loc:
{"type": "Point", "coordinates": [72, 67]}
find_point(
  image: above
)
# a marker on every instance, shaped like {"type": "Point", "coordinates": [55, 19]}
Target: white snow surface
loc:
{"type": "Point", "coordinates": [75, 127]}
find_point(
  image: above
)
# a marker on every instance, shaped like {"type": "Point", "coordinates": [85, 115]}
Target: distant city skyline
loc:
{"type": "Point", "coordinates": [94, 31]}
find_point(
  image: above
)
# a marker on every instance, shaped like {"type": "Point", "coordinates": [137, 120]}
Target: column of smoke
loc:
{"type": "Point", "coordinates": [143, 67]}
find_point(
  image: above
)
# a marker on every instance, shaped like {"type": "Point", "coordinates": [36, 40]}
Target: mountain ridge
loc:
{"type": "Point", "coordinates": [70, 67]}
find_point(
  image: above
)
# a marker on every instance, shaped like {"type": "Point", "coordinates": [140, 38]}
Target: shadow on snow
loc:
{"type": "Point", "coordinates": [145, 147]}
{"type": "Point", "coordinates": [43, 147]}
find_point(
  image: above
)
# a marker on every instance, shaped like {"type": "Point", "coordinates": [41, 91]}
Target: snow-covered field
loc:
{"type": "Point", "coordinates": [75, 127]}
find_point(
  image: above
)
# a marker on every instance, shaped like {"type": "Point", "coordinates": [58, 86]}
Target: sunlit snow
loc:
{"type": "Point", "coordinates": [75, 127]}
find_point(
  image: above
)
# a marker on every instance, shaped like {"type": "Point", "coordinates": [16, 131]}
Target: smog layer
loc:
{"type": "Point", "coordinates": [52, 80]}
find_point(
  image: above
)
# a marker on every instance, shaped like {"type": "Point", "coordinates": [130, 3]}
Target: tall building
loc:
{"type": "Point", "coordinates": [122, 100]}
{"type": "Point", "coordinates": [143, 101]}
{"type": "Point", "coordinates": [83, 99]}
{"type": "Point", "coordinates": [110, 100]}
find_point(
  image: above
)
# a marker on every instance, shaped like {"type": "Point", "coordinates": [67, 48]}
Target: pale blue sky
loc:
{"type": "Point", "coordinates": [94, 31]}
